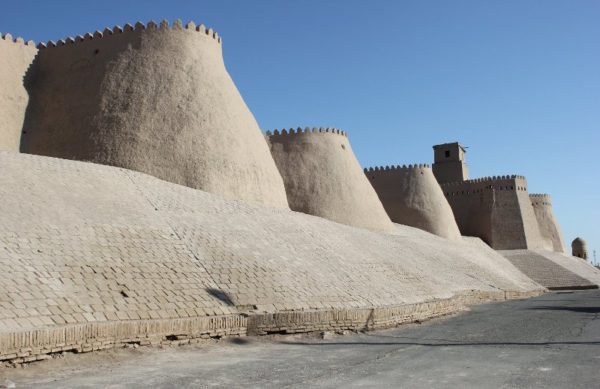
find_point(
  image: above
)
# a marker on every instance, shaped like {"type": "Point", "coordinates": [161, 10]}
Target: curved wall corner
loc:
{"type": "Point", "coordinates": [323, 178]}
{"type": "Point", "coordinates": [15, 58]}
{"type": "Point", "coordinates": [154, 99]}
{"type": "Point", "coordinates": [548, 225]}
{"type": "Point", "coordinates": [412, 196]}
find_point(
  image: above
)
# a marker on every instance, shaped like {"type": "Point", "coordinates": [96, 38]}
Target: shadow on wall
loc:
{"type": "Point", "coordinates": [28, 81]}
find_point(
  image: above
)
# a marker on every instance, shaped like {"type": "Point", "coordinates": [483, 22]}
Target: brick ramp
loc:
{"type": "Point", "coordinates": [546, 272]}
{"type": "Point", "coordinates": [576, 265]}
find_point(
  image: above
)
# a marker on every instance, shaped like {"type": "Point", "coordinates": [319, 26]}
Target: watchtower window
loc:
{"type": "Point", "coordinates": [447, 153]}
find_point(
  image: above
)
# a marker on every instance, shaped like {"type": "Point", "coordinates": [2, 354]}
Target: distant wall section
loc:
{"type": "Point", "coordinates": [154, 99]}
{"type": "Point", "coordinates": [16, 56]}
{"type": "Point", "coordinates": [549, 228]}
{"type": "Point", "coordinates": [498, 210]}
{"type": "Point", "coordinates": [323, 178]}
{"type": "Point", "coordinates": [412, 196]}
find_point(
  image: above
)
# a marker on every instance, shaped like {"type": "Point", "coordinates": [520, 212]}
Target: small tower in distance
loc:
{"type": "Point", "coordinates": [579, 248]}
{"type": "Point", "coordinates": [449, 163]}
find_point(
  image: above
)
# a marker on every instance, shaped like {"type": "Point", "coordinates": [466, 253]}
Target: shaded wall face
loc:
{"type": "Point", "coordinates": [323, 178]}
{"type": "Point", "coordinates": [15, 59]}
{"type": "Point", "coordinates": [453, 171]}
{"type": "Point", "coordinates": [412, 196]}
{"type": "Point", "coordinates": [549, 228]}
{"type": "Point", "coordinates": [498, 211]}
{"type": "Point", "coordinates": [579, 251]}
{"type": "Point", "coordinates": [508, 221]}
{"type": "Point", "coordinates": [156, 101]}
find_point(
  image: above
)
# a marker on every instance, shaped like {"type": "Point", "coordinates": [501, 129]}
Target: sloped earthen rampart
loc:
{"type": "Point", "coordinates": [16, 56]}
{"type": "Point", "coordinates": [412, 196]}
{"type": "Point", "coordinates": [542, 207]}
{"type": "Point", "coordinates": [152, 98]}
{"type": "Point", "coordinates": [498, 210]}
{"type": "Point", "coordinates": [323, 178]}
{"type": "Point", "coordinates": [93, 256]}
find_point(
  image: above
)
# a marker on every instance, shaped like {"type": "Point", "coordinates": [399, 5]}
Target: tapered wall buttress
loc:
{"type": "Point", "coordinates": [542, 206]}
{"type": "Point", "coordinates": [323, 178]}
{"type": "Point", "coordinates": [412, 196]}
{"type": "Point", "coordinates": [154, 99]}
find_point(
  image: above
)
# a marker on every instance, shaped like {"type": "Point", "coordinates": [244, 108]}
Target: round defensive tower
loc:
{"type": "Point", "coordinates": [151, 98]}
{"type": "Point", "coordinates": [549, 229]}
{"type": "Point", "coordinates": [412, 196]}
{"type": "Point", "coordinates": [323, 178]}
{"type": "Point", "coordinates": [579, 248]}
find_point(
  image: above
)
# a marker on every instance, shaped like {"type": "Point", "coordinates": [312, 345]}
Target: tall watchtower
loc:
{"type": "Point", "coordinates": [449, 163]}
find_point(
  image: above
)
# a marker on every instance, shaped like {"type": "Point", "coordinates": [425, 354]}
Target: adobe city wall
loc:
{"type": "Point", "coordinates": [542, 207]}
{"type": "Point", "coordinates": [95, 256]}
{"type": "Point", "coordinates": [151, 98]}
{"type": "Point", "coordinates": [323, 178]}
{"type": "Point", "coordinates": [16, 56]}
{"type": "Point", "coordinates": [498, 210]}
{"type": "Point", "coordinates": [412, 196]}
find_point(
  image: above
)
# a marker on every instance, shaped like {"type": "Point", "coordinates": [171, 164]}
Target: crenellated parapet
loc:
{"type": "Point", "coordinates": [538, 199]}
{"type": "Point", "coordinates": [9, 38]}
{"type": "Point", "coordinates": [394, 168]}
{"type": "Point", "coordinates": [305, 130]}
{"type": "Point", "coordinates": [137, 27]}
{"type": "Point", "coordinates": [480, 185]}
{"type": "Point", "coordinates": [488, 179]}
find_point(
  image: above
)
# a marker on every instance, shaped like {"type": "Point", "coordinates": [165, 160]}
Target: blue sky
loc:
{"type": "Point", "coordinates": [517, 82]}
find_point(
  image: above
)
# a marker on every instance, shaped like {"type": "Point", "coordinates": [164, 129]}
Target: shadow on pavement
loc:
{"type": "Point", "coordinates": [440, 344]}
{"type": "Point", "coordinates": [570, 309]}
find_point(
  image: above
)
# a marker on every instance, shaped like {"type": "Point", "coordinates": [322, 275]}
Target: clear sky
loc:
{"type": "Point", "coordinates": [517, 82]}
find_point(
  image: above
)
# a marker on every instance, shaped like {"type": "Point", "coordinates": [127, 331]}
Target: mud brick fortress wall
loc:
{"type": "Point", "coordinates": [412, 196]}
{"type": "Point", "coordinates": [323, 177]}
{"type": "Point", "coordinates": [141, 203]}
{"type": "Point", "coordinates": [151, 98]}
{"type": "Point", "coordinates": [496, 209]}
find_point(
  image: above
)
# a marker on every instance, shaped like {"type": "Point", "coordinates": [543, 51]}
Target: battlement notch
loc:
{"type": "Point", "coordinates": [306, 130]}
{"type": "Point", "coordinates": [396, 168]}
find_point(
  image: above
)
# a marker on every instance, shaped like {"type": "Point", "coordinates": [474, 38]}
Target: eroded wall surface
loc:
{"type": "Point", "coordinates": [412, 196]}
{"type": "Point", "coordinates": [154, 99]}
{"type": "Point", "coordinates": [15, 58]}
{"type": "Point", "coordinates": [323, 178]}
